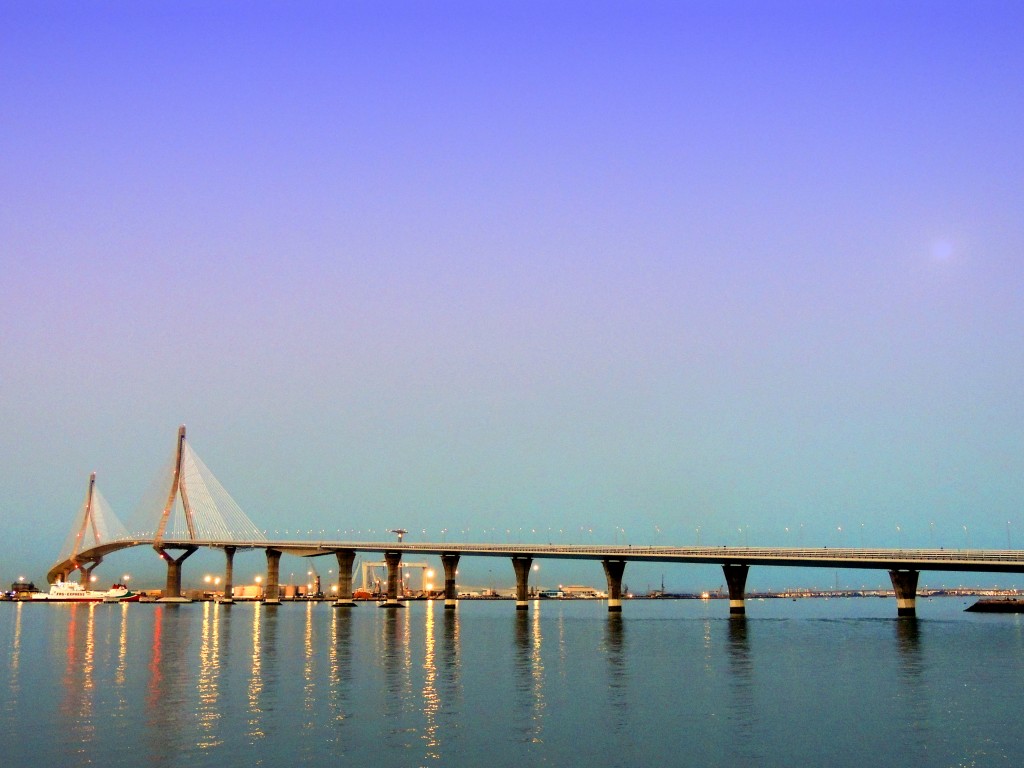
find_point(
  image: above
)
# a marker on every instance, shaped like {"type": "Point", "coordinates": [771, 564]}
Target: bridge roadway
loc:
{"type": "Point", "coordinates": [903, 565]}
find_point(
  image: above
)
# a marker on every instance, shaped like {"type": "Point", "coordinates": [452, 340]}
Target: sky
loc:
{"type": "Point", "coordinates": [657, 273]}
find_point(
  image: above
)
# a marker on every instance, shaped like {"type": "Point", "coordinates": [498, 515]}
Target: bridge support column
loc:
{"type": "Point", "coordinates": [86, 571]}
{"type": "Point", "coordinates": [346, 558]}
{"type": "Point", "coordinates": [736, 579]}
{"type": "Point", "coordinates": [522, 568]}
{"type": "Point", "coordinates": [172, 589]}
{"type": "Point", "coordinates": [613, 572]}
{"type": "Point", "coordinates": [272, 592]}
{"type": "Point", "coordinates": [450, 563]}
{"type": "Point", "coordinates": [229, 575]}
{"type": "Point", "coordinates": [904, 583]}
{"type": "Point", "coordinates": [394, 562]}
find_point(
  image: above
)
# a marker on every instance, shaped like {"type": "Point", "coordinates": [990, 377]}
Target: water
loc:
{"type": "Point", "coordinates": [798, 683]}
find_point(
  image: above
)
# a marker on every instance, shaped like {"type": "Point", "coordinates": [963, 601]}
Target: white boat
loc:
{"type": "Point", "coordinates": [73, 592]}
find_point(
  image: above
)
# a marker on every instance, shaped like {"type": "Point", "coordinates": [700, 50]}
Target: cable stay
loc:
{"type": "Point", "coordinates": [197, 507]}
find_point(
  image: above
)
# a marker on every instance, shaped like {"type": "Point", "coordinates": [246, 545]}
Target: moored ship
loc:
{"type": "Point", "coordinates": [73, 592]}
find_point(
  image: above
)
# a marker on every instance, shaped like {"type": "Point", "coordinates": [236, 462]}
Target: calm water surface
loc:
{"type": "Point", "coordinates": [798, 683]}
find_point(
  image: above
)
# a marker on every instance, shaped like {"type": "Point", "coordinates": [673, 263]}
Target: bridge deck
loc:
{"type": "Point", "coordinates": [1005, 561]}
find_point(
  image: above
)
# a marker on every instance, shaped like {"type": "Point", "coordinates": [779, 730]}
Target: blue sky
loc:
{"type": "Point", "coordinates": [749, 268]}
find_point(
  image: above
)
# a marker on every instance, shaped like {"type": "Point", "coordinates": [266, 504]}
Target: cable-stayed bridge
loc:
{"type": "Point", "coordinates": [190, 509]}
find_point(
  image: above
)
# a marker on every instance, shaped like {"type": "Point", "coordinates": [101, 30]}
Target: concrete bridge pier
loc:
{"type": "Point", "coordinates": [229, 575]}
{"type": "Point", "coordinates": [613, 572]}
{"type": "Point", "coordinates": [736, 579]}
{"type": "Point", "coordinates": [272, 591]}
{"type": "Point", "coordinates": [346, 558]}
{"type": "Point", "coordinates": [172, 590]}
{"type": "Point", "coordinates": [522, 568]}
{"type": "Point", "coordinates": [904, 583]}
{"type": "Point", "coordinates": [450, 563]}
{"type": "Point", "coordinates": [394, 561]}
{"type": "Point", "coordinates": [86, 570]}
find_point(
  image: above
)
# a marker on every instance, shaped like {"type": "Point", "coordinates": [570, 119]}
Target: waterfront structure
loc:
{"type": "Point", "coordinates": [200, 513]}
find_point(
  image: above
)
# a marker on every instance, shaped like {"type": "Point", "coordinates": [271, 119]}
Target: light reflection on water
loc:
{"type": "Point", "coordinates": [255, 687]}
{"type": "Point", "coordinates": [171, 701]}
{"type": "Point", "coordinates": [14, 661]}
{"type": "Point", "coordinates": [565, 682]}
{"type": "Point", "coordinates": [529, 676]}
{"type": "Point", "coordinates": [122, 648]}
{"type": "Point", "coordinates": [431, 698]}
{"type": "Point", "coordinates": [207, 687]}
{"type": "Point", "coordinates": [340, 667]}
{"type": "Point", "coordinates": [78, 684]}
{"type": "Point", "coordinates": [309, 683]}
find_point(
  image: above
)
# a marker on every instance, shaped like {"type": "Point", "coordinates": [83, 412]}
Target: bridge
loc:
{"type": "Point", "coordinates": [198, 512]}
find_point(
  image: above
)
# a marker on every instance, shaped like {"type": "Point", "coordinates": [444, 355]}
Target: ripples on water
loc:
{"type": "Point", "coordinates": [837, 683]}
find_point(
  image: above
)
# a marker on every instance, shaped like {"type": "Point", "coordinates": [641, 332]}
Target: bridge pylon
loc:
{"type": "Point", "coordinates": [172, 589]}
{"type": "Point", "coordinates": [94, 528]}
{"type": "Point", "coordinates": [197, 511]}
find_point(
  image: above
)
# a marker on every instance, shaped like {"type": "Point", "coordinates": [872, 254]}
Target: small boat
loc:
{"type": "Point", "coordinates": [73, 592]}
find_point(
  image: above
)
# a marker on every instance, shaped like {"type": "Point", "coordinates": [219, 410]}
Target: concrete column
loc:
{"type": "Point", "coordinates": [613, 572]}
{"type": "Point", "coordinates": [86, 570]}
{"type": "Point", "coordinates": [736, 578]}
{"type": "Point", "coordinates": [522, 568]}
{"type": "Point", "coordinates": [904, 583]}
{"type": "Point", "coordinates": [172, 587]}
{"type": "Point", "coordinates": [450, 563]}
{"type": "Point", "coordinates": [272, 590]}
{"type": "Point", "coordinates": [229, 575]}
{"type": "Point", "coordinates": [394, 561]}
{"type": "Point", "coordinates": [172, 590]}
{"type": "Point", "coordinates": [346, 558]}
